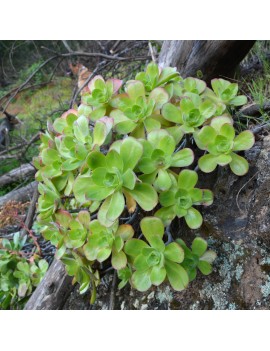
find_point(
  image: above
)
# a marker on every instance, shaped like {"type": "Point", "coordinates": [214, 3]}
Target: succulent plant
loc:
{"type": "Point", "coordinates": [180, 199]}
{"type": "Point", "coordinates": [113, 179]}
{"type": "Point", "coordinates": [159, 156]}
{"type": "Point", "coordinates": [221, 143]}
{"type": "Point", "coordinates": [135, 112]}
{"type": "Point", "coordinates": [198, 257]}
{"type": "Point", "coordinates": [154, 262]}
{"type": "Point", "coordinates": [119, 158]}
{"type": "Point", "coordinates": [18, 275]}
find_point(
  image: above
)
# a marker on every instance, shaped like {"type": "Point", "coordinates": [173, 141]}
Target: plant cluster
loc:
{"type": "Point", "coordinates": [122, 153]}
{"type": "Point", "coordinates": [19, 274]}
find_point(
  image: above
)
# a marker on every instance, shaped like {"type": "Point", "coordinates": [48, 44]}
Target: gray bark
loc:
{"type": "Point", "coordinates": [214, 58]}
{"type": "Point", "coordinates": [17, 175]}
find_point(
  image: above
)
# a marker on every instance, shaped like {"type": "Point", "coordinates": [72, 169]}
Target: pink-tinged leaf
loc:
{"type": "Point", "coordinates": [69, 112]}
{"type": "Point", "coordinates": [102, 128]}
{"type": "Point", "coordinates": [117, 83]}
{"type": "Point", "coordinates": [91, 84]}
{"type": "Point", "coordinates": [63, 217]}
{"type": "Point", "coordinates": [108, 122]}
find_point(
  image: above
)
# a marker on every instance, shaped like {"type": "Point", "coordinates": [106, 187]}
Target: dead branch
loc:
{"type": "Point", "coordinates": [31, 213]}
{"type": "Point", "coordinates": [4, 155]}
{"type": "Point", "coordinates": [18, 174]}
{"type": "Point", "coordinates": [65, 55]}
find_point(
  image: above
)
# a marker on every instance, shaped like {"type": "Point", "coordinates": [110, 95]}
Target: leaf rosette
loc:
{"type": "Point", "coordinates": [220, 141]}
{"type": "Point", "coordinates": [180, 199]}
{"type": "Point", "coordinates": [154, 262]}
{"type": "Point", "coordinates": [112, 179]}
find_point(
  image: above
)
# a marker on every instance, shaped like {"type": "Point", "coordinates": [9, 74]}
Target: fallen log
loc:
{"type": "Point", "coordinates": [23, 194]}
{"type": "Point", "coordinates": [53, 291]}
{"type": "Point", "coordinates": [214, 58]}
{"type": "Point", "coordinates": [17, 175]}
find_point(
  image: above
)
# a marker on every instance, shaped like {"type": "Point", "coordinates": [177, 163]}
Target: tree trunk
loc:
{"type": "Point", "coordinates": [214, 58]}
{"type": "Point", "coordinates": [17, 175]}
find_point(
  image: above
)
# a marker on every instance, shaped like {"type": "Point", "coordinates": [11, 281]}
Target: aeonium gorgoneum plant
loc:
{"type": "Point", "coordinates": [114, 173]}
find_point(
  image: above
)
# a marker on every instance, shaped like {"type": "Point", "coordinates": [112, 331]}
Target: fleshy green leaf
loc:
{"type": "Point", "coordinates": [239, 165]}
{"type": "Point", "coordinates": [125, 231]}
{"type": "Point", "coordinates": [207, 163]}
{"type": "Point", "coordinates": [166, 214]}
{"type": "Point", "coordinates": [193, 218]}
{"type": "Point", "coordinates": [129, 179]}
{"type": "Point", "coordinates": [152, 226]}
{"type": "Point", "coordinates": [111, 209]}
{"type": "Point", "coordinates": [177, 275]}
{"type": "Point", "coordinates": [160, 96]}
{"type": "Point", "coordinates": [174, 252]}
{"type": "Point", "coordinates": [182, 158]}
{"type": "Point", "coordinates": [207, 109]}
{"type": "Point", "coordinates": [158, 275]}
{"type": "Point", "coordinates": [187, 179]}
{"type": "Point", "coordinates": [171, 113]}
{"type": "Point", "coordinates": [206, 135]}
{"type": "Point", "coordinates": [239, 100]}
{"type": "Point", "coordinates": [209, 256]}
{"type": "Point", "coordinates": [199, 246]}
{"type": "Point", "coordinates": [134, 247]}
{"type": "Point", "coordinates": [131, 151]}
{"type": "Point", "coordinates": [205, 267]}
{"type": "Point", "coordinates": [141, 280]}
{"type": "Point", "coordinates": [244, 141]}
{"type": "Point", "coordinates": [163, 181]}
{"type": "Point", "coordinates": [135, 89]}
{"type": "Point", "coordinates": [223, 160]}
{"type": "Point", "coordinates": [119, 260]}
{"type": "Point", "coordinates": [145, 196]}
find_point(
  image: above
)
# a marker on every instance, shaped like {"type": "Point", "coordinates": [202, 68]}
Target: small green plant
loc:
{"type": "Point", "coordinates": [220, 141]}
{"type": "Point", "coordinates": [180, 199]}
{"type": "Point", "coordinates": [120, 157]}
{"type": "Point", "coordinates": [155, 261]}
{"type": "Point", "coordinates": [18, 273]}
{"type": "Point", "coordinates": [198, 257]}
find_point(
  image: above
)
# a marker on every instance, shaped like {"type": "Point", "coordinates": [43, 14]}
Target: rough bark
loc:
{"type": "Point", "coordinates": [23, 194]}
{"type": "Point", "coordinates": [17, 175]}
{"type": "Point", "coordinates": [214, 58]}
{"type": "Point", "coordinates": [52, 292]}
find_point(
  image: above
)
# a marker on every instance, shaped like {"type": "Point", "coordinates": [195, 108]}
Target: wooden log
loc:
{"type": "Point", "coordinates": [53, 291]}
{"type": "Point", "coordinates": [17, 175]}
{"type": "Point", "coordinates": [214, 58]}
{"type": "Point", "coordinates": [23, 194]}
